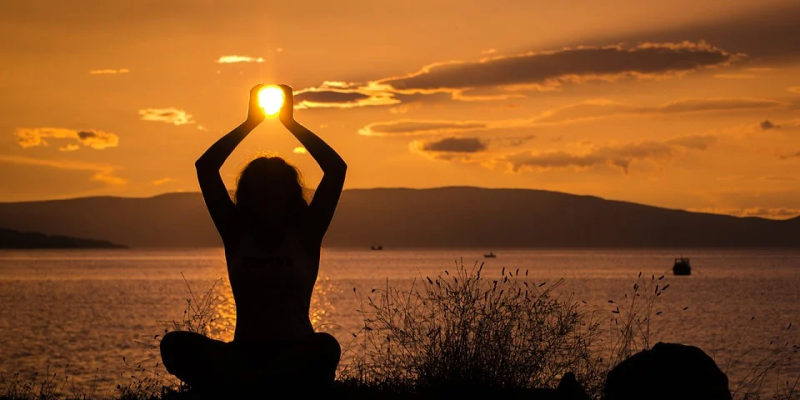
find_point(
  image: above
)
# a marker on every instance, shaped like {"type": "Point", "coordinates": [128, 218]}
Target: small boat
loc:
{"type": "Point", "coordinates": [376, 247]}
{"type": "Point", "coordinates": [682, 266]}
{"type": "Point", "coordinates": [489, 255]}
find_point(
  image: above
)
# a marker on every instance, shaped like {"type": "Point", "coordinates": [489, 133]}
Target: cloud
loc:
{"type": "Point", "coordinates": [239, 59]}
{"type": "Point", "coordinates": [451, 145]}
{"type": "Point", "coordinates": [169, 115]}
{"type": "Point", "coordinates": [760, 69]}
{"type": "Point", "coordinates": [334, 94]}
{"type": "Point", "coordinates": [767, 124]}
{"type": "Point", "coordinates": [793, 89]}
{"type": "Point", "coordinates": [330, 96]}
{"type": "Point", "coordinates": [595, 109]}
{"type": "Point", "coordinates": [109, 179]}
{"type": "Point", "coordinates": [159, 182]}
{"type": "Point", "coordinates": [69, 147]}
{"type": "Point", "coordinates": [734, 76]}
{"type": "Point", "coordinates": [788, 126]}
{"type": "Point", "coordinates": [472, 150]}
{"type": "Point", "coordinates": [693, 142]}
{"type": "Point", "coordinates": [410, 127]}
{"type": "Point", "coordinates": [513, 141]}
{"type": "Point", "coordinates": [488, 51]}
{"type": "Point", "coordinates": [496, 77]}
{"type": "Point", "coordinates": [620, 156]}
{"type": "Point", "coordinates": [109, 71]}
{"type": "Point", "coordinates": [761, 212]}
{"type": "Point", "coordinates": [96, 139]}
{"type": "Point", "coordinates": [552, 68]}
{"type": "Point", "coordinates": [102, 173]}
{"type": "Point", "coordinates": [300, 150]}
{"type": "Point", "coordinates": [711, 105]}
{"type": "Point", "coordinates": [202, 128]}
{"type": "Point", "coordinates": [789, 156]}
{"type": "Point", "coordinates": [768, 178]}
{"type": "Point", "coordinates": [766, 34]}
{"type": "Point", "coordinates": [770, 212]}
{"type": "Point", "coordinates": [404, 108]}
{"type": "Point", "coordinates": [580, 112]}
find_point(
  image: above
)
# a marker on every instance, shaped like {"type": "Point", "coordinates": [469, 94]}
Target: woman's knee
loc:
{"type": "Point", "coordinates": [170, 347]}
{"type": "Point", "coordinates": [193, 358]}
{"type": "Point", "coordinates": [329, 346]}
{"type": "Point", "coordinates": [178, 347]}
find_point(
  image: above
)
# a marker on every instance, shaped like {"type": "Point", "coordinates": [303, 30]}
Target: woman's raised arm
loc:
{"type": "Point", "coordinates": [216, 196]}
{"type": "Point", "coordinates": [334, 169]}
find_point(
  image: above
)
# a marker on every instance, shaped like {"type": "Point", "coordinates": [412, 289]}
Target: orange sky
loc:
{"type": "Point", "coordinates": [680, 104]}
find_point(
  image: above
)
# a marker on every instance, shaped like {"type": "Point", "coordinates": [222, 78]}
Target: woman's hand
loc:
{"type": "Point", "coordinates": [255, 114]}
{"type": "Point", "coordinates": [287, 110]}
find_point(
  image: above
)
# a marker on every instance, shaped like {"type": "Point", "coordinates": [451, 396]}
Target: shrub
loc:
{"type": "Point", "coordinates": [465, 331]}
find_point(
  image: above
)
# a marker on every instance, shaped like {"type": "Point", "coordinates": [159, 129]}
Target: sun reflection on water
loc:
{"type": "Point", "coordinates": [223, 325]}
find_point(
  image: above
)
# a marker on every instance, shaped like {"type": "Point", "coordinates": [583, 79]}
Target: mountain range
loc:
{"type": "Point", "coordinates": [457, 217]}
{"type": "Point", "coordinates": [10, 239]}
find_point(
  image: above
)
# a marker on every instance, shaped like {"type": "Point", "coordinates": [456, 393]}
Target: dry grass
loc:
{"type": "Point", "coordinates": [779, 353]}
{"type": "Point", "coordinates": [462, 330]}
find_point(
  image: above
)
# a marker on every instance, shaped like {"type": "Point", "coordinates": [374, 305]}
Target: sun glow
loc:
{"type": "Point", "coordinates": [270, 99]}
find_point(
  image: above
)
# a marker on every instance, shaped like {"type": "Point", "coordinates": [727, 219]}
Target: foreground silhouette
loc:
{"type": "Point", "coordinates": [665, 372]}
{"type": "Point", "coordinates": [272, 239]}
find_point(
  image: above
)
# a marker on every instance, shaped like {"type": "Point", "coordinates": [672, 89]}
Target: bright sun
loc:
{"type": "Point", "coordinates": [270, 99]}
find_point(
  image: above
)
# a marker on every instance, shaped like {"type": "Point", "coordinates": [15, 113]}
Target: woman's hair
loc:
{"type": "Point", "coordinates": [271, 171]}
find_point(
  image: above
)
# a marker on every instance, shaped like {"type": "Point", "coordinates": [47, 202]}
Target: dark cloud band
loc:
{"type": "Point", "coordinates": [492, 78]}
{"type": "Point", "coordinates": [330, 96]}
{"type": "Point", "coordinates": [580, 64]}
{"type": "Point", "coordinates": [454, 145]}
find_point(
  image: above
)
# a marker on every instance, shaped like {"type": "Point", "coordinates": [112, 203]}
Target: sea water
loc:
{"type": "Point", "coordinates": [98, 314]}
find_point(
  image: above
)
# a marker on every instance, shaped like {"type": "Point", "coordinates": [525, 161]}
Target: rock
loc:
{"type": "Point", "coordinates": [667, 371]}
{"type": "Point", "coordinates": [570, 389]}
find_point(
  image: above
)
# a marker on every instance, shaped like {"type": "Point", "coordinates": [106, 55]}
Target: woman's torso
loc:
{"type": "Point", "coordinates": [272, 286]}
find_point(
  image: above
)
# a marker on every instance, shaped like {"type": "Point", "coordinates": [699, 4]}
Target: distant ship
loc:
{"type": "Point", "coordinates": [376, 247]}
{"type": "Point", "coordinates": [682, 266]}
{"type": "Point", "coordinates": [489, 255]}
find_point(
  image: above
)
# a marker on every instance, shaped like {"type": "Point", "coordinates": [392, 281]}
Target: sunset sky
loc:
{"type": "Point", "coordinates": [680, 104]}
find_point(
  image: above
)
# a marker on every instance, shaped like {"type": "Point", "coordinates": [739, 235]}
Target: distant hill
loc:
{"type": "Point", "coordinates": [443, 217]}
{"type": "Point", "coordinates": [10, 239]}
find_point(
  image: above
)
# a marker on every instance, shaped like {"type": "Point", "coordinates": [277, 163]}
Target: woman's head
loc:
{"type": "Point", "coordinates": [270, 188]}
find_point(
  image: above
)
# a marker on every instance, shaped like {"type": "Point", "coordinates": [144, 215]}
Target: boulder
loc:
{"type": "Point", "coordinates": [668, 371]}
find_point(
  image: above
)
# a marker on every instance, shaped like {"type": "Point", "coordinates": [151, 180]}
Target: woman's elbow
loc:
{"type": "Point", "coordinates": [203, 164]}
{"type": "Point", "coordinates": [338, 169]}
{"type": "Point", "coordinates": [342, 167]}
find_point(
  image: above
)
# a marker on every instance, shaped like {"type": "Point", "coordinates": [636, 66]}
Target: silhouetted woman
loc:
{"type": "Point", "coordinates": [272, 240]}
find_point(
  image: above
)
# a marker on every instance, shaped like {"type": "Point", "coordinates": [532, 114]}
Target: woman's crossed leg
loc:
{"type": "Point", "coordinates": [207, 364]}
